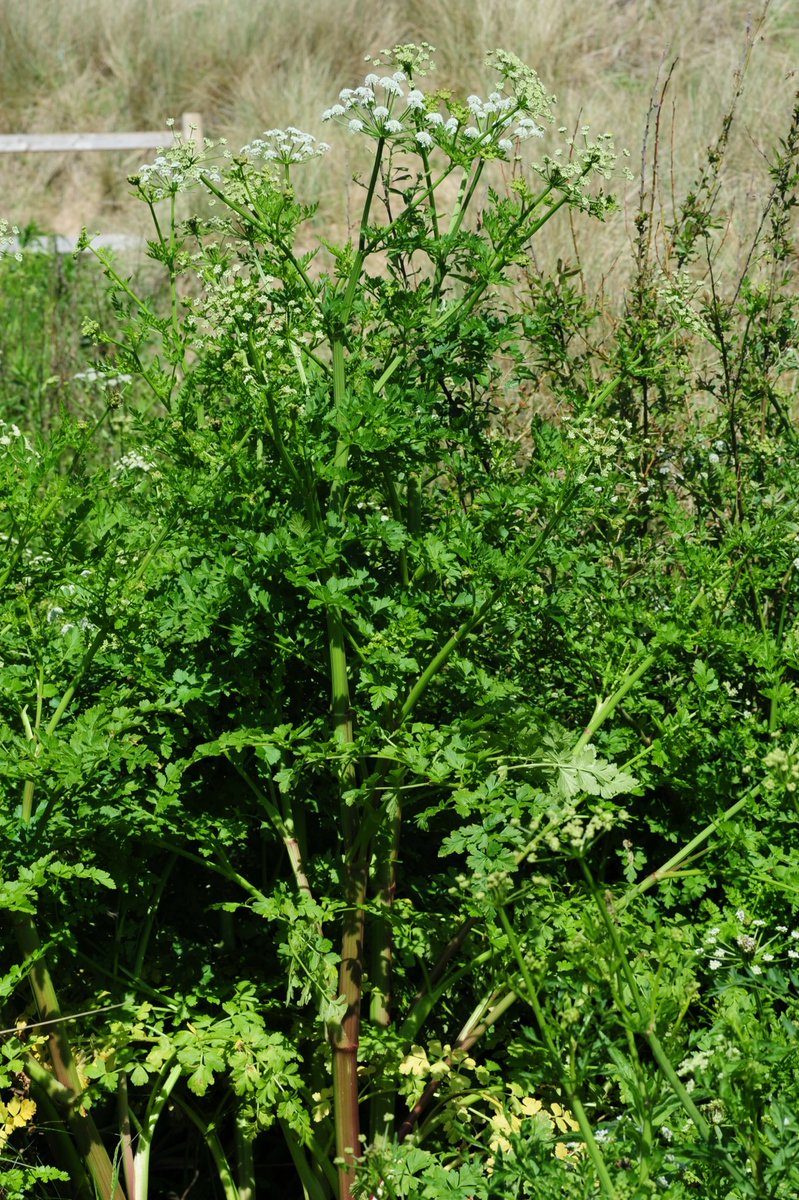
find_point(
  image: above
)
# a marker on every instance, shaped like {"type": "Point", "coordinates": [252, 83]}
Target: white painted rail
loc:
{"type": "Point", "coordinates": [152, 139]}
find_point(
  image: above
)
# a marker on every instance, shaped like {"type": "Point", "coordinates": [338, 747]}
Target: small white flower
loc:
{"type": "Point", "coordinates": [337, 110]}
{"type": "Point", "coordinates": [740, 915]}
{"type": "Point", "coordinates": [54, 613]}
{"type": "Point", "coordinates": [795, 934]}
{"type": "Point", "coordinates": [527, 128]}
{"type": "Point", "coordinates": [393, 126]}
{"type": "Point", "coordinates": [424, 139]}
{"type": "Point", "coordinates": [715, 963]}
{"type": "Point", "coordinates": [434, 118]}
{"type": "Point", "coordinates": [756, 970]}
{"type": "Point", "coordinates": [380, 113]}
{"type": "Point", "coordinates": [133, 462]}
{"type": "Point", "coordinates": [505, 145]}
{"type": "Point", "coordinates": [782, 929]}
{"type": "Point", "coordinates": [471, 132]}
{"type": "Point", "coordinates": [355, 126]}
{"type": "Point", "coordinates": [793, 954]}
{"type": "Point", "coordinates": [391, 84]}
{"type": "Point", "coordinates": [768, 958]}
{"type": "Point", "coordinates": [371, 80]}
{"type": "Point", "coordinates": [758, 924]}
{"type": "Point", "coordinates": [415, 99]}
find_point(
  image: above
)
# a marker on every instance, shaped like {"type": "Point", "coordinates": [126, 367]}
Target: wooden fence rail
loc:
{"type": "Point", "coordinates": [152, 139]}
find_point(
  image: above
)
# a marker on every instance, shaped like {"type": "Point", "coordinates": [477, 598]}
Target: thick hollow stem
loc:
{"type": "Point", "coordinates": [345, 1034]}
{"type": "Point", "coordinates": [386, 850]}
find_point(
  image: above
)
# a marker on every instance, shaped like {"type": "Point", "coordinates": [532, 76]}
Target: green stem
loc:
{"type": "Point", "coordinates": [575, 1104]}
{"type": "Point", "coordinates": [67, 1089]}
{"type": "Point", "coordinates": [283, 828]}
{"type": "Point", "coordinates": [152, 908]}
{"type": "Point", "coordinates": [345, 1034]}
{"type": "Point", "coordinates": [312, 1184]}
{"type": "Point", "coordinates": [162, 1089]}
{"type": "Point", "coordinates": [605, 708]}
{"type": "Point", "coordinates": [126, 1137]}
{"type": "Point", "coordinates": [211, 1139]}
{"type": "Point", "coordinates": [688, 850]}
{"type": "Point", "coordinates": [645, 1018]}
{"type": "Point", "coordinates": [221, 868]}
{"type": "Point", "coordinates": [245, 1160]}
{"type": "Point", "coordinates": [55, 1129]}
{"type": "Point", "coordinates": [470, 1035]}
{"type": "Point", "coordinates": [386, 851]}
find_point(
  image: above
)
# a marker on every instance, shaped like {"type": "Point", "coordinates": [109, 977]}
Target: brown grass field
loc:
{"type": "Point", "coordinates": [95, 65]}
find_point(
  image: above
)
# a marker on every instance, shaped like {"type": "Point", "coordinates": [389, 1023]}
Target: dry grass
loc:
{"type": "Point", "coordinates": [249, 64]}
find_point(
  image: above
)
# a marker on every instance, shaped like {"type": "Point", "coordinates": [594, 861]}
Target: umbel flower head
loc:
{"type": "Point", "coordinates": [393, 105]}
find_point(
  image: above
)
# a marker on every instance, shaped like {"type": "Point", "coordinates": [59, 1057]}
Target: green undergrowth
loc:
{"type": "Point", "coordinates": [398, 684]}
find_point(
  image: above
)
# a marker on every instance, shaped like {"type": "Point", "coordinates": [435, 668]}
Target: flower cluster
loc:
{"type": "Point", "coordinates": [744, 946]}
{"type": "Point", "coordinates": [8, 239]}
{"type": "Point", "coordinates": [13, 440]}
{"type": "Point", "coordinates": [375, 114]}
{"type": "Point", "coordinates": [678, 294]}
{"type": "Point", "coordinates": [239, 312]}
{"type": "Point", "coordinates": [132, 461]}
{"type": "Point", "coordinates": [174, 170]}
{"type": "Point", "coordinates": [287, 146]}
{"type": "Point", "coordinates": [392, 106]}
{"type": "Point", "coordinates": [103, 379]}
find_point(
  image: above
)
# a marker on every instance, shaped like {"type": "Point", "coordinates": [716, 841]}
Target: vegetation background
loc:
{"type": "Point", "coordinates": [247, 65]}
{"type": "Point", "coordinates": [264, 493]}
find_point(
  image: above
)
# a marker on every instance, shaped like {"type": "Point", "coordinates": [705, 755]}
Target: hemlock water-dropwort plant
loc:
{"type": "Point", "coordinates": [327, 414]}
{"type": "Point", "coordinates": [306, 869]}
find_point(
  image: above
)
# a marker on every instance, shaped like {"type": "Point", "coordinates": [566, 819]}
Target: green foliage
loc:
{"type": "Point", "coordinates": [391, 775]}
